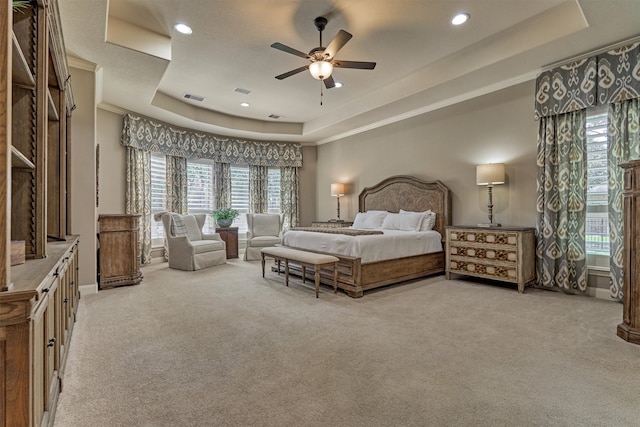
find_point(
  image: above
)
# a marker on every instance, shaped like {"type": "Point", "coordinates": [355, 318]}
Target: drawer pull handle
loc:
{"type": "Point", "coordinates": [52, 342]}
{"type": "Point", "coordinates": [45, 290]}
{"type": "Point", "coordinates": [66, 300]}
{"type": "Point", "coordinates": [56, 274]}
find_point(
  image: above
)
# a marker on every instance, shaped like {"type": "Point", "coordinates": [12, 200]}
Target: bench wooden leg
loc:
{"type": "Point", "coordinates": [304, 273]}
{"type": "Point", "coordinates": [286, 272]}
{"type": "Point", "coordinates": [317, 277]}
{"type": "Point", "coordinates": [263, 266]}
{"type": "Point", "coordinates": [278, 262]}
{"type": "Point", "coordinates": [335, 278]}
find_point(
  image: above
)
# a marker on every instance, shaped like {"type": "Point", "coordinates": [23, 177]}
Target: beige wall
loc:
{"type": "Point", "coordinates": [445, 145]}
{"type": "Point", "coordinates": [112, 179]}
{"type": "Point", "coordinates": [83, 173]}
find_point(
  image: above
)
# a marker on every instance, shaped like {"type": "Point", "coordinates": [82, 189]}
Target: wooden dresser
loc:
{"type": "Point", "coordinates": [500, 253]}
{"type": "Point", "coordinates": [119, 260]}
{"type": "Point", "coordinates": [36, 322]}
{"type": "Point", "coordinates": [230, 237]}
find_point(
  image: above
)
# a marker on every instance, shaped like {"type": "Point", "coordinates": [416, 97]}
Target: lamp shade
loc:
{"type": "Point", "coordinates": [490, 174]}
{"type": "Point", "coordinates": [337, 189]}
{"type": "Point", "coordinates": [321, 70]}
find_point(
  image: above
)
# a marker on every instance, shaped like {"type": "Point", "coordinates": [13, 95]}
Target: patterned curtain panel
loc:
{"type": "Point", "coordinates": [177, 184]}
{"type": "Point", "coordinates": [568, 88]}
{"type": "Point", "coordinates": [222, 177]}
{"type": "Point", "coordinates": [258, 189]}
{"type": "Point", "coordinates": [159, 137]}
{"type": "Point", "coordinates": [624, 145]}
{"type": "Point", "coordinates": [138, 195]}
{"type": "Point", "coordinates": [561, 202]}
{"type": "Point", "coordinates": [619, 74]}
{"type": "Point", "coordinates": [289, 201]}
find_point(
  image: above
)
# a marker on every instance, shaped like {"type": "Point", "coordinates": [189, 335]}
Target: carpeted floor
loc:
{"type": "Point", "coordinates": [224, 347]}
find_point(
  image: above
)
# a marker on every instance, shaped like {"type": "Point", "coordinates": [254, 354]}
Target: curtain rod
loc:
{"type": "Point", "coordinates": [592, 53]}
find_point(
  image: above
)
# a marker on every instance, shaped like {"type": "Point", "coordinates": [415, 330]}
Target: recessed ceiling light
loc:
{"type": "Point", "coordinates": [460, 18]}
{"type": "Point", "coordinates": [244, 104]}
{"type": "Point", "coordinates": [183, 28]}
{"type": "Point", "coordinates": [338, 84]}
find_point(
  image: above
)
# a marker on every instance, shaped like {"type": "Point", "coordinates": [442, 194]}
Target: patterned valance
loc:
{"type": "Point", "coordinates": [159, 137]}
{"type": "Point", "coordinates": [610, 77]}
{"type": "Point", "coordinates": [619, 74]}
{"type": "Point", "coordinates": [567, 88]}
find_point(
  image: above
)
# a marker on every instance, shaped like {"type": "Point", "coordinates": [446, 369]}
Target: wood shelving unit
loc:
{"type": "Point", "coordinates": [20, 69]}
{"type": "Point", "coordinates": [18, 160]}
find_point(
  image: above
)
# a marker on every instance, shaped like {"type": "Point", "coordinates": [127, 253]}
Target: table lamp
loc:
{"type": "Point", "coordinates": [490, 175]}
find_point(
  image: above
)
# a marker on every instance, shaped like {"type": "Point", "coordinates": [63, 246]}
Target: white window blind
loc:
{"type": "Point", "coordinates": [597, 227]}
{"type": "Point", "coordinates": [274, 190]}
{"type": "Point", "coordinates": [240, 196]}
{"type": "Point", "coordinates": [200, 191]}
{"type": "Point", "coordinates": [158, 194]}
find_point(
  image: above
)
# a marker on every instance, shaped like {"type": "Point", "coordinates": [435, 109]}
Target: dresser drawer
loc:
{"type": "Point", "coordinates": [507, 273]}
{"type": "Point", "coordinates": [484, 237]}
{"type": "Point", "coordinates": [509, 255]}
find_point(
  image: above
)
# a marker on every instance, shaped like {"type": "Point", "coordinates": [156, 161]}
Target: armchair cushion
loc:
{"type": "Point", "coordinates": [266, 225]}
{"type": "Point", "coordinates": [264, 241]}
{"type": "Point", "coordinates": [202, 246]}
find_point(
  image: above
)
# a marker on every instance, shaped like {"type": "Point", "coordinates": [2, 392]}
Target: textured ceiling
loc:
{"type": "Point", "coordinates": [423, 62]}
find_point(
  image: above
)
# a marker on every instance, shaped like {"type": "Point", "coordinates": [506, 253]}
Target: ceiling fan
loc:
{"type": "Point", "coordinates": [322, 59]}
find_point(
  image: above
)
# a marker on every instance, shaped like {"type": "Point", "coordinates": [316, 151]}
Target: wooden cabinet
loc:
{"type": "Point", "coordinates": [119, 258]}
{"type": "Point", "coordinates": [36, 324]}
{"type": "Point", "coordinates": [38, 299]}
{"type": "Point", "coordinates": [230, 237]}
{"type": "Point", "coordinates": [501, 253]}
{"type": "Point", "coordinates": [332, 224]}
{"type": "Point", "coordinates": [629, 329]}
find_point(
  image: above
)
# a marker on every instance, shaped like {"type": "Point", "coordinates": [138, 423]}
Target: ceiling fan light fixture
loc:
{"type": "Point", "coordinates": [321, 70]}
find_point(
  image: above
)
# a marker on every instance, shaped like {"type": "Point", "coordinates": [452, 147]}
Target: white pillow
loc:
{"type": "Point", "coordinates": [409, 221]}
{"type": "Point", "coordinates": [428, 221]}
{"type": "Point", "coordinates": [369, 220]}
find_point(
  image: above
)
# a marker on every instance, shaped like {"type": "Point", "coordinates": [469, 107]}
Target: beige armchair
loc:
{"type": "Point", "coordinates": [189, 248]}
{"type": "Point", "coordinates": [264, 230]}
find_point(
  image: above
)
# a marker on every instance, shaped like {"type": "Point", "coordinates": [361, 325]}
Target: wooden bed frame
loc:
{"type": "Point", "coordinates": [392, 194]}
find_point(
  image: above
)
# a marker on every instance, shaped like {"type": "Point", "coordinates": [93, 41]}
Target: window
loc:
{"type": "Point", "coordinates": [158, 196]}
{"type": "Point", "coordinates": [274, 190]}
{"type": "Point", "coordinates": [240, 196]}
{"type": "Point", "coordinates": [200, 191]}
{"type": "Point", "coordinates": [597, 227]}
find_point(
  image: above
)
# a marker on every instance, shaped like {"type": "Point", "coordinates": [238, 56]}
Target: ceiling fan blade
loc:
{"type": "Point", "coordinates": [354, 64]}
{"type": "Point", "coordinates": [292, 72]}
{"type": "Point", "coordinates": [336, 44]}
{"type": "Point", "coordinates": [329, 82]}
{"type": "Point", "coordinates": [290, 50]}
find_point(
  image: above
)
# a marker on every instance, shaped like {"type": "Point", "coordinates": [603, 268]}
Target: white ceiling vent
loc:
{"type": "Point", "coordinates": [274, 116]}
{"type": "Point", "coordinates": [242, 91]}
{"type": "Point", "coordinates": [194, 97]}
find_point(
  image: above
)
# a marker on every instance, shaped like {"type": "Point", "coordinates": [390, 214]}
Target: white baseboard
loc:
{"type": "Point", "coordinates": [599, 293]}
{"type": "Point", "coordinates": [88, 289]}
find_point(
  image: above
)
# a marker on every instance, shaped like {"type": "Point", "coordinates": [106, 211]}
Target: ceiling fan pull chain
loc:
{"type": "Point", "coordinates": [321, 92]}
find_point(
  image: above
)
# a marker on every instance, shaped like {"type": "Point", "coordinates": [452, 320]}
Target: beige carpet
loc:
{"type": "Point", "coordinates": [224, 347]}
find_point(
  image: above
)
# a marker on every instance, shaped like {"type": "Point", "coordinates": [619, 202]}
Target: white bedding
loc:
{"type": "Point", "coordinates": [379, 247]}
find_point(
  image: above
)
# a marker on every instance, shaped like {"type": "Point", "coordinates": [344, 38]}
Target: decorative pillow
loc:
{"type": "Point", "coordinates": [178, 229]}
{"type": "Point", "coordinates": [193, 230]}
{"type": "Point", "coordinates": [369, 219]}
{"type": "Point", "coordinates": [428, 221]}
{"type": "Point", "coordinates": [404, 222]}
{"type": "Point", "coordinates": [266, 225]}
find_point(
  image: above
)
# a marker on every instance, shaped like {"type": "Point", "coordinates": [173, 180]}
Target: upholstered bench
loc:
{"type": "Point", "coordinates": [304, 258]}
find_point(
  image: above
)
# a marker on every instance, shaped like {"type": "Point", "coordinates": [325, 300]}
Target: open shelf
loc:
{"type": "Point", "coordinates": [53, 111]}
{"type": "Point", "coordinates": [18, 160]}
{"type": "Point", "coordinates": [21, 74]}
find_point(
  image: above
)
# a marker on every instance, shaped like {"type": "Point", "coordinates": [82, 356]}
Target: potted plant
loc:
{"type": "Point", "coordinates": [224, 216]}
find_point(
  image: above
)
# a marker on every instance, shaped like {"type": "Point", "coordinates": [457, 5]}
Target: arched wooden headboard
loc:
{"type": "Point", "coordinates": [411, 194]}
